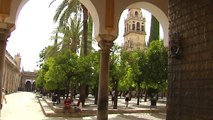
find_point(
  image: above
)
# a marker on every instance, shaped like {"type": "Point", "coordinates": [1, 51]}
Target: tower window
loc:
{"type": "Point", "coordinates": [136, 13]}
{"type": "Point", "coordinates": [138, 26]}
{"type": "Point", "coordinates": [129, 28]}
{"type": "Point", "coordinates": [133, 26]}
{"type": "Point", "coordinates": [142, 28]}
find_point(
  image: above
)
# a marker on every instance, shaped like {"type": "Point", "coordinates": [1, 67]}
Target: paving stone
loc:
{"type": "Point", "coordinates": [26, 106]}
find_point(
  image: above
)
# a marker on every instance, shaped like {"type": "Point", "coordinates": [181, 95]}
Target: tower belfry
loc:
{"type": "Point", "coordinates": [134, 34]}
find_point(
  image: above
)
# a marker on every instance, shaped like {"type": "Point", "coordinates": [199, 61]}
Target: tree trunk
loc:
{"type": "Point", "coordinates": [96, 95]}
{"type": "Point", "coordinates": [85, 30]}
{"type": "Point", "coordinates": [138, 96]}
{"type": "Point", "coordinates": [82, 93]}
{"type": "Point", "coordinates": [90, 31]}
{"type": "Point", "coordinates": [85, 39]}
{"type": "Point", "coordinates": [145, 96]}
{"type": "Point", "coordinates": [116, 95]}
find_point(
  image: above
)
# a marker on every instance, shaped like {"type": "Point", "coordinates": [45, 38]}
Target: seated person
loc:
{"type": "Point", "coordinates": [67, 105]}
{"type": "Point", "coordinates": [78, 107]}
{"type": "Point", "coordinates": [54, 99]}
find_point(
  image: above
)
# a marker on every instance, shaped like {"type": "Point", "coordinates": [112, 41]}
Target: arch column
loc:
{"type": "Point", "coordinates": [4, 34]}
{"type": "Point", "coordinates": [105, 44]}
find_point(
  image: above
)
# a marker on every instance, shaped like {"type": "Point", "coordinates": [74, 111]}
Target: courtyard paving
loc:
{"type": "Point", "coordinates": [26, 106]}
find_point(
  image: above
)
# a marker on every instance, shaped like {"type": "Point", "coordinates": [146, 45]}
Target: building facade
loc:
{"type": "Point", "coordinates": [11, 73]}
{"type": "Point", "coordinates": [134, 33]}
{"type": "Point", "coordinates": [13, 78]}
{"type": "Point", "coordinates": [28, 79]}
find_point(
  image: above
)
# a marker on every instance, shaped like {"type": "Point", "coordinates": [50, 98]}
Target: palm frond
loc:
{"type": "Point", "coordinates": [60, 9]}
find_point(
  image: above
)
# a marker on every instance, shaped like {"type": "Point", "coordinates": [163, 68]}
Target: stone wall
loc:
{"type": "Point", "coordinates": [11, 74]}
{"type": "Point", "coordinates": [190, 95]}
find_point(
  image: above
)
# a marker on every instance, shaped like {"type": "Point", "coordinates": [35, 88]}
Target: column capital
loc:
{"type": "Point", "coordinates": [107, 37]}
{"type": "Point", "coordinates": [105, 45]}
{"type": "Point", "coordinates": [105, 41]}
{"type": "Point", "coordinates": [4, 34]}
{"type": "Point", "coordinates": [5, 31]}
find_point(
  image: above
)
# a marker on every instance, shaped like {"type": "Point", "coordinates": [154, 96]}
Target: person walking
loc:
{"type": "Point", "coordinates": [3, 99]}
{"type": "Point", "coordinates": [113, 96]}
{"type": "Point", "coordinates": [127, 99]}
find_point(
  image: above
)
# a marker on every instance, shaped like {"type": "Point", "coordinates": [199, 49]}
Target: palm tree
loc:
{"type": "Point", "coordinates": [69, 38]}
{"type": "Point", "coordinates": [67, 9]}
{"type": "Point", "coordinates": [70, 8]}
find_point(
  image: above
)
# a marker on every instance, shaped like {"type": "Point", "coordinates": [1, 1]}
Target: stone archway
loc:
{"type": "Point", "coordinates": [158, 9]}
{"type": "Point", "coordinates": [26, 78]}
{"type": "Point", "coordinates": [28, 86]}
{"type": "Point", "coordinates": [93, 12]}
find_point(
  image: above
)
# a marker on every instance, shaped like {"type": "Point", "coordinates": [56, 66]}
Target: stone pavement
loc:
{"type": "Point", "coordinates": [26, 106]}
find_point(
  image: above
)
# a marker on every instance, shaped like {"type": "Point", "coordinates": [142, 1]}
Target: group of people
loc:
{"type": "Point", "coordinates": [68, 103]}
{"type": "Point", "coordinates": [127, 97]}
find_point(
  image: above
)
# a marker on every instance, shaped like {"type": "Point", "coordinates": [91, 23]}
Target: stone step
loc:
{"type": "Point", "coordinates": [45, 108]}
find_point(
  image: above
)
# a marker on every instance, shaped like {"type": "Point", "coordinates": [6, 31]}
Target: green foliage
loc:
{"type": "Point", "coordinates": [61, 71]}
{"type": "Point", "coordinates": [66, 69]}
{"type": "Point", "coordinates": [152, 91]}
{"type": "Point", "coordinates": [40, 80]}
{"type": "Point", "coordinates": [60, 65]}
{"type": "Point", "coordinates": [85, 69]}
{"type": "Point", "coordinates": [157, 63]}
{"type": "Point", "coordinates": [130, 60]}
{"type": "Point", "coordinates": [115, 67]}
{"type": "Point", "coordinates": [154, 30]}
{"type": "Point", "coordinates": [147, 68]}
{"type": "Point", "coordinates": [65, 10]}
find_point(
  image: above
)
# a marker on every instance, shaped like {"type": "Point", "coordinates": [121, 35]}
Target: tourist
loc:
{"type": "Point", "coordinates": [78, 107]}
{"type": "Point", "coordinates": [3, 99]}
{"type": "Point", "coordinates": [127, 98]}
{"type": "Point", "coordinates": [113, 96]}
{"type": "Point", "coordinates": [67, 105]}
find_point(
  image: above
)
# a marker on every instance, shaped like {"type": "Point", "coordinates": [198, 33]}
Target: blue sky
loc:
{"type": "Point", "coordinates": [34, 27]}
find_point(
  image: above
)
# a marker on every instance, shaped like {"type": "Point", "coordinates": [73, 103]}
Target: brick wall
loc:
{"type": "Point", "coordinates": [190, 91]}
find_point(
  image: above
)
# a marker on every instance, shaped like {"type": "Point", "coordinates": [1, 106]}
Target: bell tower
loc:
{"type": "Point", "coordinates": [134, 34]}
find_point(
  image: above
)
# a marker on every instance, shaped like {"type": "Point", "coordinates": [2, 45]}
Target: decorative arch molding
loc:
{"type": "Point", "coordinates": [87, 3]}
{"type": "Point", "coordinates": [93, 12]}
{"type": "Point", "coordinates": [21, 5]}
{"type": "Point", "coordinates": [158, 8]}
{"type": "Point", "coordinates": [29, 80]}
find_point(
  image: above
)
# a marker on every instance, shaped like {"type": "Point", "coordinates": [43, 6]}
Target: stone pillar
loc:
{"type": "Point", "coordinates": [4, 34]}
{"type": "Point", "coordinates": [103, 90]}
